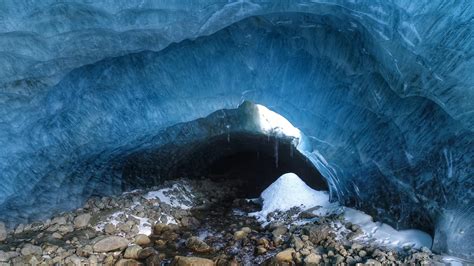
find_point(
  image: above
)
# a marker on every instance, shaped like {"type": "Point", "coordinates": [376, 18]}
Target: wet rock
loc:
{"type": "Point", "coordinates": [192, 261]}
{"type": "Point", "coordinates": [110, 243]}
{"type": "Point", "coordinates": [30, 249]}
{"type": "Point", "coordinates": [285, 255]}
{"type": "Point", "coordinates": [312, 259]}
{"type": "Point", "coordinates": [3, 232]}
{"type": "Point", "coordinates": [142, 240]}
{"type": "Point", "coordinates": [82, 220]}
{"type": "Point", "coordinates": [197, 245]}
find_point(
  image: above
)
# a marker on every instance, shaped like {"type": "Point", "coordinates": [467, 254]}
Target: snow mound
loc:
{"type": "Point", "coordinates": [290, 191]}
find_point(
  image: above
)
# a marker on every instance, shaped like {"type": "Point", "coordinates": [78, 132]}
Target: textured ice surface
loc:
{"type": "Point", "coordinates": [383, 90]}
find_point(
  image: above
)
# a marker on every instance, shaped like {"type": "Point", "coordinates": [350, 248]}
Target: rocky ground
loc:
{"type": "Point", "coordinates": [193, 222]}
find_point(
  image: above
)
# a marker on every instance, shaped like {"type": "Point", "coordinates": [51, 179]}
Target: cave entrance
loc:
{"type": "Point", "coordinates": [251, 144]}
{"type": "Point", "coordinates": [256, 160]}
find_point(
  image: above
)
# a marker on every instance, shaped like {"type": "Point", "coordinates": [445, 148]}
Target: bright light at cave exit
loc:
{"type": "Point", "coordinates": [271, 122]}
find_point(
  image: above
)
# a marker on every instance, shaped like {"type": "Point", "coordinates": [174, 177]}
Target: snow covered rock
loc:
{"type": "Point", "coordinates": [290, 191]}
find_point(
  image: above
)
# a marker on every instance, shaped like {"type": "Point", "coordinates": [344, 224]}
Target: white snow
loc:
{"type": "Point", "coordinates": [172, 201]}
{"type": "Point", "coordinates": [272, 122]}
{"type": "Point", "coordinates": [385, 234]}
{"type": "Point", "coordinates": [290, 191]}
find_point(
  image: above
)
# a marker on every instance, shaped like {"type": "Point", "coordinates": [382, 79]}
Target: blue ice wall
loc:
{"type": "Point", "coordinates": [384, 91]}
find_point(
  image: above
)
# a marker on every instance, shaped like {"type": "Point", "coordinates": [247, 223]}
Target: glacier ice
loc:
{"type": "Point", "coordinates": [382, 90]}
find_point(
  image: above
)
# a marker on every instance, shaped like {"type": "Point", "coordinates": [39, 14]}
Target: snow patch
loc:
{"type": "Point", "coordinates": [167, 196]}
{"type": "Point", "coordinates": [290, 191]}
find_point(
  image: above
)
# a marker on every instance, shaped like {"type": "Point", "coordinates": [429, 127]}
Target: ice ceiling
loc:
{"type": "Point", "coordinates": [384, 91]}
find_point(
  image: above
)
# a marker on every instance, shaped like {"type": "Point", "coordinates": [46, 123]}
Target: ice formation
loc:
{"type": "Point", "coordinates": [382, 91]}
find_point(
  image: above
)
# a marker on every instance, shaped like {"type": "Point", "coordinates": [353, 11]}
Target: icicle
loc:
{"type": "Point", "coordinates": [228, 133]}
{"type": "Point", "coordinates": [276, 152]}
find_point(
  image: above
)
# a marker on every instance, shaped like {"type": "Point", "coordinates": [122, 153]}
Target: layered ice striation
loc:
{"type": "Point", "coordinates": [382, 90]}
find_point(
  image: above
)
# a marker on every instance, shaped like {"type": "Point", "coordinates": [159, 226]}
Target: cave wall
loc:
{"type": "Point", "coordinates": [382, 90]}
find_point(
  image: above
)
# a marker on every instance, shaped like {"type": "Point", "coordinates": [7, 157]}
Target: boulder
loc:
{"type": "Point", "coordinates": [197, 245]}
{"type": "Point", "coordinates": [110, 243]}
{"type": "Point", "coordinates": [285, 255]}
{"type": "Point", "coordinates": [30, 249]}
{"type": "Point", "coordinates": [142, 240]}
{"type": "Point", "coordinates": [82, 220]}
{"type": "Point", "coordinates": [192, 261]}
{"type": "Point", "coordinates": [132, 252]}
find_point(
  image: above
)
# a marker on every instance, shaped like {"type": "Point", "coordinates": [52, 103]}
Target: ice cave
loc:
{"type": "Point", "coordinates": [363, 109]}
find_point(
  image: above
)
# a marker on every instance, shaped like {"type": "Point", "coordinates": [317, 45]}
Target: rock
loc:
{"type": "Point", "coordinates": [82, 220]}
{"type": "Point", "coordinates": [6, 256]}
{"type": "Point", "coordinates": [246, 230]}
{"type": "Point", "coordinates": [110, 243]}
{"type": "Point", "coordinates": [153, 260]}
{"type": "Point", "coordinates": [338, 259]}
{"type": "Point", "coordinates": [132, 252]}
{"type": "Point", "coordinates": [285, 255]}
{"type": "Point", "coordinates": [142, 240]}
{"type": "Point", "coordinates": [190, 222]}
{"type": "Point", "coordinates": [297, 243]}
{"type": "Point", "coordinates": [261, 250]}
{"type": "Point", "coordinates": [57, 235]}
{"type": "Point", "coordinates": [356, 246]}
{"type": "Point", "coordinates": [317, 233]}
{"type": "Point", "coordinates": [159, 228]}
{"type": "Point", "coordinates": [362, 253]}
{"type": "Point", "coordinates": [312, 259]}
{"type": "Point", "coordinates": [192, 261]}
{"type": "Point", "coordinates": [3, 232]}
{"type": "Point", "coordinates": [60, 220]}
{"type": "Point", "coordinates": [197, 245]}
{"type": "Point", "coordinates": [109, 228]}
{"type": "Point", "coordinates": [19, 229]}
{"type": "Point", "coordinates": [127, 262]}
{"type": "Point", "coordinates": [146, 252]}
{"type": "Point", "coordinates": [373, 262]}
{"type": "Point", "coordinates": [30, 249]}
{"type": "Point", "coordinates": [239, 235]}
{"type": "Point", "coordinates": [279, 231]}
{"type": "Point", "coordinates": [73, 260]}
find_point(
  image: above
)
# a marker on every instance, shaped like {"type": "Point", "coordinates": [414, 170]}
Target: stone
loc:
{"type": "Point", "coordinates": [142, 240]}
{"type": "Point", "coordinates": [317, 233]}
{"type": "Point", "coordinates": [6, 256]}
{"type": "Point", "coordinates": [285, 255]}
{"type": "Point", "coordinates": [197, 245]}
{"type": "Point", "coordinates": [132, 252]}
{"type": "Point", "coordinates": [57, 235]}
{"type": "Point", "coordinates": [153, 260]}
{"type": "Point", "coordinates": [239, 235]}
{"type": "Point", "coordinates": [246, 230]}
{"type": "Point", "coordinates": [110, 243]}
{"type": "Point", "coordinates": [82, 220]}
{"type": "Point", "coordinates": [312, 259]}
{"type": "Point", "coordinates": [261, 250]}
{"type": "Point", "coordinates": [356, 246]}
{"type": "Point", "coordinates": [128, 262]}
{"type": "Point", "coordinates": [159, 228]}
{"type": "Point", "coordinates": [109, 228]}
{"type": "Point", "coordinates": [192, 261]}
{"type": "Point", "coordinates": [373, 262]}
{"type": "Point", "coordinates": [190, 222]}
{"type": "Point", "coordinates": [297, 243]}
{"type": "Point", "coordinates": [3, 232]}
{"type": "Point", "coordinates": [30, 249]}
{"type": "Point", "coordinates": [146, 252]}
{"type": "Point", "coordinates": [362, 253]}
{"type": "Point", "coordinates": [279, 231]}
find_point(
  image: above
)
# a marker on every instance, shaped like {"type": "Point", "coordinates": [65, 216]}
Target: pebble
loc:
{"type": "Point", "coordinates": [110, 243]}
